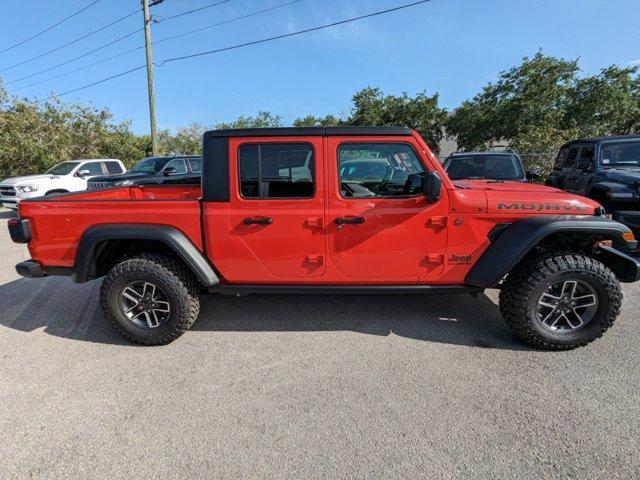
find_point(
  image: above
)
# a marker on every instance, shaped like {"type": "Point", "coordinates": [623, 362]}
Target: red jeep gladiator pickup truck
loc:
{"type": "Point", "coordinates": [334, 211]}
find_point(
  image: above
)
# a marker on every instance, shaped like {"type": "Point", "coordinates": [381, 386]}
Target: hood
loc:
{"type": "Point", "coordinates": [529, 198]}
{"type": "Point", "coordinates": [503, 186]}
{"type": "Point", "coordinates": [123, 176]}
{"type": "Point", "coordinates": [626, 176]}
{"type": "Point", "coordinates": [28, 179]}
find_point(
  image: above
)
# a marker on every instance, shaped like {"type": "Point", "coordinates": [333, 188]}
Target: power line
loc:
{"type": "Point", "coordinates": [84, 67]}
{"type": "Point", "coordinates": [78, 57]}
{"type": "Point", "coordinates": [49, 28]}
{"type": "Point", "coordinates": [71, 42]}
{"type": "Point", "coordinates": [197, 9]}
{"type": "Point", "coordinates": [246, 44]}
{"type": "Point", "coordinates": [292, 34]}
{"type": "Point", "coordinates": [225, 22]}
{"type": "Point", "coordinates": [109, 44]}
{"type": "Point", "coordinates": [122, 74]}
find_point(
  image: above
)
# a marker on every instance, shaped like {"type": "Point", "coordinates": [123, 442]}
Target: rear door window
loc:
{"type": "Point", "coordinates": [178, 164]}
{"type": "Point", "coordinates": [94, 168]}
{"type": "Point", "coordinates": [195, 164]}
{"type": "Point", "coordinates": [276, 170]}
{"type": "Point", "coordinates": [113, 168]}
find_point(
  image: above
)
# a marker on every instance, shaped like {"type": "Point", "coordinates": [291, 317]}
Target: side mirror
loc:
{"type": "Point", "coordinates": [431, 186]}
{"type": "Point", "coordinates": [533, 174]}
{"type": "Point", "coordinates": [170, 171]}
{"type": "Point", "coordinates": [83, 173]}
{"type": "Point", "coordinates": [583, 164]}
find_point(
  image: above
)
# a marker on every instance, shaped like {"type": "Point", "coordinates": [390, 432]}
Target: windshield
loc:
{"type": "Point", "coordinates": [150, 165]}
{"type": "Point", "coordinates": [620, 154]}
{"type": "Point", "coordinates": [492, 167]}
{"type": "Point", "coordinates": [63, 168]}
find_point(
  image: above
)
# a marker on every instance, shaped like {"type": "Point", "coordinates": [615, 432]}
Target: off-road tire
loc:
{"type": "Point", "coordinates": [173, 278]}
{"type": "Point", "coordinates": [522, 288]}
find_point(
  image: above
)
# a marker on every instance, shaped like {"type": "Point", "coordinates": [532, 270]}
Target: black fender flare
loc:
{"type": "Point", "coordinates": [515, 240]}
{"type": "Point", "coordinates": [603, 187]}
{"type": "Point", "coordinates": [178, 242]}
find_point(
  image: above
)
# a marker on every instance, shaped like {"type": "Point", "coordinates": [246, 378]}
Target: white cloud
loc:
{"type": "Point", "coordinates": [635, 62]}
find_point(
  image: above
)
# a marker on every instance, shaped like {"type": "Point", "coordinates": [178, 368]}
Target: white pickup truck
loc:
{"type": "Point", "coordinates": [65, 177]}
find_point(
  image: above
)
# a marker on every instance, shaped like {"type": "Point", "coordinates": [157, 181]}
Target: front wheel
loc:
{"type": "Point", "coordinates": [150, 299]}
{"type": "Point", "coordinates": [560, 301]}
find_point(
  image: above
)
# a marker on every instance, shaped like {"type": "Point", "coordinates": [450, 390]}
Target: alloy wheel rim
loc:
{"type": "Point", "coordinates": [567, 306]}
{"type": "Point", "coordinates": [144, 304]}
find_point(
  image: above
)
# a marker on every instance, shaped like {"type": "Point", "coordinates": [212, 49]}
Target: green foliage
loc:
{"type": "Point", "coordinates": [533, 108]}
{"type": "Point", "coordinates": [262, 120]}
{"type": "Point", "coordinates": [372, 108]}
{"type": "Point", "coordinates": [537, 106]}
{"type": "Point", "coordinates": [35, 136]}
{"type": "Point", "coordinates": [311, 121]}
{"type": "Point", "coordinates": [421, 113]}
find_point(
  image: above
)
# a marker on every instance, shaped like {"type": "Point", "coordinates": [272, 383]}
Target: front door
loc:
{"type": "Point", "coordinates": [570, 171]}
{"type": "Point", "coordinates": [380, 227]}
{"type": "Point", "coordinates": [277, 209]}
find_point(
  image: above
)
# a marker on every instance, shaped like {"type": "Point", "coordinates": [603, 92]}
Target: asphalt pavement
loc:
{"type": "Point", "coordinates": [277, 386]}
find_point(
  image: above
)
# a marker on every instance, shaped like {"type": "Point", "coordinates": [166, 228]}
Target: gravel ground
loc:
{"type": "Point", "coordinates": [301, 386]}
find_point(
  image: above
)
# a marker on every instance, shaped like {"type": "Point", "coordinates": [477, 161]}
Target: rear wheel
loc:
{"type": "Point", "coordinates": [560, 301]}
{"type": "Point", "coordinates": [150, 299]}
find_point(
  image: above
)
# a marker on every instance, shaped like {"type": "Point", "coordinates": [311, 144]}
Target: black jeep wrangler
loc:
{"type": "Point", "coordinates": [606, 169]}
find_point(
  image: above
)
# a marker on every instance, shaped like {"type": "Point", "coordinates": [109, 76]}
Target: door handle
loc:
{"type": "Point", "coordinates": [349, 220]}
{"type": "Point", "coordinates": [258, 221]}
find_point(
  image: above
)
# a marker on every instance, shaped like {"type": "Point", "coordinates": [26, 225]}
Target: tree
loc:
{"type": "Point", "coordinates": [186, 140]}
{"type": "Point", "coordinates": [261, 120]}
{"type": "Point", "coordinates": [607, 103]}
{"type": "Point", "coordinates": [525, 108]}
{"type": "Point", "coordinates": [312, 121]}
{"type": "Point", "coordinates": [421, 113]}
{"type": "Point", "coordinates": [35, 136]}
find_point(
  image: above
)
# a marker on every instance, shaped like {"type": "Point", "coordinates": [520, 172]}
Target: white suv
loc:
{"type": "Point", "coordinates": [65, 177]}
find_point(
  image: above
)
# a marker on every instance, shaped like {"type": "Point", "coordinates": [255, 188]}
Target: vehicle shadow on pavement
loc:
{"type": "Point", "coordinates": [6, 214]}
{"type": "Point", "coordinates": [72, 311]}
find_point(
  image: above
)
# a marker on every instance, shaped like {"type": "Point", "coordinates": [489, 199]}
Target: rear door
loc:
{"type": "Point", "coordinates": [380, 227]}
{"type": "Point", "coordinates": [277, 209]}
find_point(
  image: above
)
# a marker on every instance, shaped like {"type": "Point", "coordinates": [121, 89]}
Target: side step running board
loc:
{"type": "Point", "coordinates": [344, 289]}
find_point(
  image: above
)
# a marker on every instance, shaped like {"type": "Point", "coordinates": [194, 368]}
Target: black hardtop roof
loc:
{"type": "Point", "coordinates": [307, 132]}
{"type": "Point", "coordinates": [602, 139]}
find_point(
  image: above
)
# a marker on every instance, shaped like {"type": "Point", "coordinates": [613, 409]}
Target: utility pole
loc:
{"type": "Point", "coordinates": [152, 94]}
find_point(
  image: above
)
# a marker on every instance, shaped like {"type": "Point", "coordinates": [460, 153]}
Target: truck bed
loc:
{"type": "Point", "coordinates": [174, 205]}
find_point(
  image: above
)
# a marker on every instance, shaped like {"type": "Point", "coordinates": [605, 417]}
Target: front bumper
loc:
{"type": "Point", "coordinates": [11, 200]}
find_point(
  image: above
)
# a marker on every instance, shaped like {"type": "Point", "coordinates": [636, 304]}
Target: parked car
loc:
{"type": "Point", "coordinates": [287, 210]}
{"type": "Point", "coordinates": [487, 166]}
{"type": "Point", "coordinates": [71, 176]}
{"type": "Point", "coordinates": [172, 169]}
{"type": "Point", "coordinates": [606, 169]}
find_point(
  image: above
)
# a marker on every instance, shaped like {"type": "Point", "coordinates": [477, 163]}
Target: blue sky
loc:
{"type": "Point", "coordinates": [452, 47]}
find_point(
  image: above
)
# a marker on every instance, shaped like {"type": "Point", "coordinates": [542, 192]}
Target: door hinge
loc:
{"type": "Point", "coordinates": [437, 258]}
{"type": "Point", "coordinates": [437, 222]}
{"type": "Point", "coordinates": [316, 222]}
{"type": "Point", "coordinates": [317, 259]}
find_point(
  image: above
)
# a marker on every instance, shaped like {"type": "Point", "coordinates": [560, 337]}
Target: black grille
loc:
{"type": "Point", "coordinates": [7, 192]}
{"type": "Point", "coordinates": [98, 185]}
